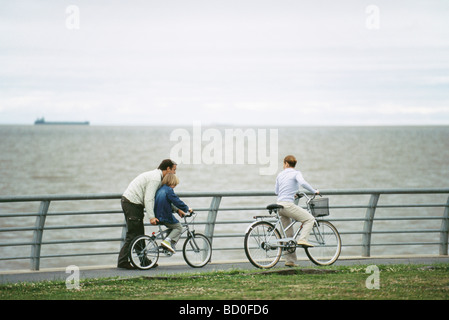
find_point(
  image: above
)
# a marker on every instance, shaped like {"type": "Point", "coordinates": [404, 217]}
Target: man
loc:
{"type": "Point", "coordinates": [139, 195]}
{"type": "Point", "coordinates": [287, 184]}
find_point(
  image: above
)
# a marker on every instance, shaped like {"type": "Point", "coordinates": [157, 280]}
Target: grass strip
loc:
{"type": "Point", "coordinates": [395, 282]}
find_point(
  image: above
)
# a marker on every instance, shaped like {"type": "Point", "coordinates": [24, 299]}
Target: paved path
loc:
{"type": "Point", "coordinates": [169, 270]}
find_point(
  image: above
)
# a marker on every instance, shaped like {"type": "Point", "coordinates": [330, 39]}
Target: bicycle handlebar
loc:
{"type": "Point", "coordinates": [301, 194]}
{"type": "Point", "coordinates": [188, 215]}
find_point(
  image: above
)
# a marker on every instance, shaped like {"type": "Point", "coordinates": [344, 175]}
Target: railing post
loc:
{"type": "Point", "coordinates": [212, 217]}
{"type": "Point", "coordinates": [38, 233]}
{"type": "Point", "coordinates": [368, 225]}
{"type": "Point", "coordinates": [444, 231]}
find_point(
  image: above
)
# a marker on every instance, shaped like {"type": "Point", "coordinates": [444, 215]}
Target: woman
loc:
{"type": "Point", "coordinates": [287, 184]}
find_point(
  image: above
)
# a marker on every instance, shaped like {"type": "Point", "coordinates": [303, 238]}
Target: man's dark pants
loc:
{"type": "Point", "coordinates": [134, 222]}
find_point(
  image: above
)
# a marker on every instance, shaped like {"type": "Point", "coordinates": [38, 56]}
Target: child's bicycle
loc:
{"type": "Point", "coordinates": [144, 250]}
{"type": "Point", "coordinates": [264, 244]}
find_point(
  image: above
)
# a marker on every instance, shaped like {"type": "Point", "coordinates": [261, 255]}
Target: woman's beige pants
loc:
{"type": "Point", "coordinates": [292, 211]}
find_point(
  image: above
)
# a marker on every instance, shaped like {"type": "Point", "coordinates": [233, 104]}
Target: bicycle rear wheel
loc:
{"type": "Point", "coordinates": [144, 252]}
{"type": "Point", "coordinates": [197, 250]}
{"type": "Point", "coordinates": [327, 244]}
{"type": "Point", "coordinates": [262, 245]}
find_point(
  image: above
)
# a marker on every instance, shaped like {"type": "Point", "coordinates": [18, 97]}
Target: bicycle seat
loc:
{"type": "Point", "coordinates": [274, 206]}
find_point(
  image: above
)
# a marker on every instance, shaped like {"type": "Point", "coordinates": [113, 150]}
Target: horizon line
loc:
{"type": "Point", "coordinates": [207, 124]}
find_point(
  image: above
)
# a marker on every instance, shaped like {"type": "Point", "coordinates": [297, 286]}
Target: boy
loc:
{"type": "Point", "coordinates": [165, 198]}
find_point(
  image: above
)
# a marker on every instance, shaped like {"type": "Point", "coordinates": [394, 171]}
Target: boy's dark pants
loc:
{"type": "Point", "coordinates": [134, 222]}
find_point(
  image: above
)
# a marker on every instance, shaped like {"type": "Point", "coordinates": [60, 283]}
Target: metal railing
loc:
{"type": "Point", "coordinates": [348, 224]}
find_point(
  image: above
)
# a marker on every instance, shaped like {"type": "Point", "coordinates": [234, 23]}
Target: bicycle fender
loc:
{"type": "Point", "coordinates": [251, 226]}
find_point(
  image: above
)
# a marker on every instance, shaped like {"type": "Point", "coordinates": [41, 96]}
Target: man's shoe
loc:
{"type": "Point", "coordinates": [291, 264]}
{"type": "Point", "coordinates": [128, 266]}
{"type": "Point", "coordinates": [167, 246]}
{"type": "Point", "coordinates": [304, 243]}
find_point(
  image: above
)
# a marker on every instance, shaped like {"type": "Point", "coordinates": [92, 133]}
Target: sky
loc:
{"type": "Point", "coordinates": [225, 62]}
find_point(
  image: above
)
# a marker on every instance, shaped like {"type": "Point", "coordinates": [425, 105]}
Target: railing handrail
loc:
{"type": "Point", "coordinates": [241, 193]}
{"type": "Point", "coordinates": [213, 210]}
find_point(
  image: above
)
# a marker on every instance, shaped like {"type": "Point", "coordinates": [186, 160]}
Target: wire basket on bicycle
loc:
{"type": "Point", "coordinates": [319, 207]}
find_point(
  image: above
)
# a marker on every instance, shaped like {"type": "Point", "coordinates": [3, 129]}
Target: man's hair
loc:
{"type": "Point", "coordinates": [291, 160]}
{"type": "Point", "coordinates": [170, 180]}
{"type": "Point", "coordinates": [167, 163]}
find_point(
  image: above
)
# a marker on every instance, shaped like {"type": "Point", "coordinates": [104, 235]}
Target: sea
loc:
{"type": "Point", "coordinates": [72, 160]}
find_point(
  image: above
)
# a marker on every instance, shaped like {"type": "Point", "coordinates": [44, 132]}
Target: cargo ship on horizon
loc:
{"type": "Point", "coordinates": [41, 121]}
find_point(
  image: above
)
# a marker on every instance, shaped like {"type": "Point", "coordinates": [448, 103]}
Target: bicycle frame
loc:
{"type": "Point", "coordinates": [162, 234]}
{"type": "Point", "coordinates": [284, 241]}
{"type": "Point", "coordinates": [266, 240]}
{"type": "Point", "coordinates": [145, 250]}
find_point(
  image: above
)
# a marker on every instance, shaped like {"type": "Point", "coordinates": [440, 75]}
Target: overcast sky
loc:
{"type": "Point", "coordinates": [241, 62]}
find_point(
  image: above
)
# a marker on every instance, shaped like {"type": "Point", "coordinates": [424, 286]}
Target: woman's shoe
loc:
{"type": "Point", "coordinates": [305, 244]}
{"type": "Point", "coordinates": [290, 264]}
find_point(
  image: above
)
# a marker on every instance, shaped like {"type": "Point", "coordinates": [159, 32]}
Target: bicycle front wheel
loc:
{"type": "Point", "coordinates": [197, 250]}
{"type": "Point", "coordinates": [327, 244]}
{"type": "Point", "coordinates": [262, 245]}
{"type": "Point", "coordinates": [144, 252]}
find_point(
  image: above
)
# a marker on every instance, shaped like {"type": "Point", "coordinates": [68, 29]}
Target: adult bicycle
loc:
{"type": "Point", "coordinates": [145, 251]}
{"type": "Point", "coordinates": [265, 242]}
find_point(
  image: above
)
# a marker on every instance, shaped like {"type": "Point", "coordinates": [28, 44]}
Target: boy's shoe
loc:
{"type": "Point", "coordinates": [167, 246]}
{"type": "Point", "coordinates": [304, 243]}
